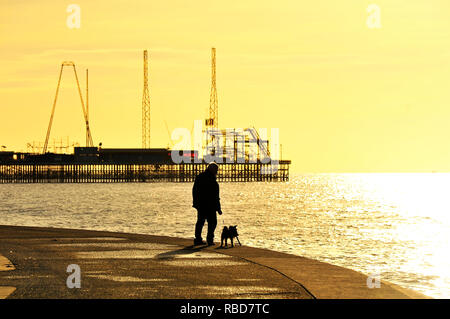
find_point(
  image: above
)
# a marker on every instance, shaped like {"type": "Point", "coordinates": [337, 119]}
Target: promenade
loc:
{"type": "Point", "coordinates": [34, 261]}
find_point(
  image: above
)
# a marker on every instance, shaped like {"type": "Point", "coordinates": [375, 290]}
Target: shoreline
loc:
{"type": "Point", "coordinates": [279, 275]}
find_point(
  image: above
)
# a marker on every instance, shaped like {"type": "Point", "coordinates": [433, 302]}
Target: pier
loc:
{"type": "Point", "coordinates": [126, 173]}
{"type": "Point", "coordinates": [243, 155]}
{"type": "Point", "coordinates": [89, 165]}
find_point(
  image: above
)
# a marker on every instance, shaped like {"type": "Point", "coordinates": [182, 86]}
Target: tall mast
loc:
{"type": "Point", "coordinates": [213, 120]}
{"type": "Point", "coordinates": [146, 106]}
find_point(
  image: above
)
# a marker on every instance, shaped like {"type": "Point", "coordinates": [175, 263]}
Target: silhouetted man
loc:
{"type": "Point", "coordinates": [205, 194]}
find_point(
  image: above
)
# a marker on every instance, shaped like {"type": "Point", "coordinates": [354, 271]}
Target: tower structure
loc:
{"type": "Point", "coordinates": [87, 105]}
{"type": "Point", "coordinates": [146, 106]}
{"type": "Point", "coordinates": [213, 121]}
{"type": "Point", "coordinates": [89, 142]}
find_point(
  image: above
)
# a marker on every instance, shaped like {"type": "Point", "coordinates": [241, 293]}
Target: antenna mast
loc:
{"type": "Point", "coordinates": [145, 106]}
{"type": "Point", "coordinates": [213, 120]}
{"type": "Point", "coordinates": [87, 105]}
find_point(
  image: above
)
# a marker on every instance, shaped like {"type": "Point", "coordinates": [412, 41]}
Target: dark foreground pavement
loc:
{"type": "Point", "coordinates": [120, 265]}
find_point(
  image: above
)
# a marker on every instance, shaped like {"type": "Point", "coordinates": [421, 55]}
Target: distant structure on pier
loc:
{"type": "Point", "coordinates": [213, 120]}
{"type": "Point", "coordinates": [89, 142]}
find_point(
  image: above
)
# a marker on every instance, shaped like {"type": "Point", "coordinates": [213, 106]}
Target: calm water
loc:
{"type": "Point", "coordinates": [396, 225]}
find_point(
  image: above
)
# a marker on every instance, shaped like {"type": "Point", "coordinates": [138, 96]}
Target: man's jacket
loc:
{"type": "Point", "coordinates": [205, 192]}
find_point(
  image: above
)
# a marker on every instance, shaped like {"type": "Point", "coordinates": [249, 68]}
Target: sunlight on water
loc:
{"type": "Point", "coordinates": [396, 225]}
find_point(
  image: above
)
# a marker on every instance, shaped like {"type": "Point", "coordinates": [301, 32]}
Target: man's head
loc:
{"type": "Point", "coordinates": [213, 168]}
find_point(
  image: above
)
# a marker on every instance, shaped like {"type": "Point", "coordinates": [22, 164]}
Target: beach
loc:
{"type": "Point", "coordinates": [125, 265]}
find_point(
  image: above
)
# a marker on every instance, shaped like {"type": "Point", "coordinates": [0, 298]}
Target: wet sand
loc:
{"type": "Point", "coordinates": [121, 265]}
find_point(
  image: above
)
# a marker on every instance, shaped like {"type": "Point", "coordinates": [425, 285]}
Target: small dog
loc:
{"type": "Point", "coordinates": [229, 232]}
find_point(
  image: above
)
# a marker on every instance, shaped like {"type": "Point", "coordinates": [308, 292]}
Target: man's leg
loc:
{"type": "Point", "coordinates": [199, 226]}
{"type": "Point", "coordinates": [212, 223]}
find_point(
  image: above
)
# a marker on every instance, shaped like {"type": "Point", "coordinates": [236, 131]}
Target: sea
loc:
{"type": "Point", "coordinates": [392, 226]}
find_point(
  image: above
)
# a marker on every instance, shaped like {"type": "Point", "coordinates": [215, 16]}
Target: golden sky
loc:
{"type": "Point", "coordinates": [346, 98]}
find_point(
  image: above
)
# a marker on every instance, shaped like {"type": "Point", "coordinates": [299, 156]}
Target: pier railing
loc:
{"type": "Point", "coordinates": [127, 173]}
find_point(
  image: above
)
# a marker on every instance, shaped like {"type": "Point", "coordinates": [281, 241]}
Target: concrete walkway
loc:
{"type": "Point", "coordinates": [5, 265]}
{"type": "Point", "coordinates": [119, 265]}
